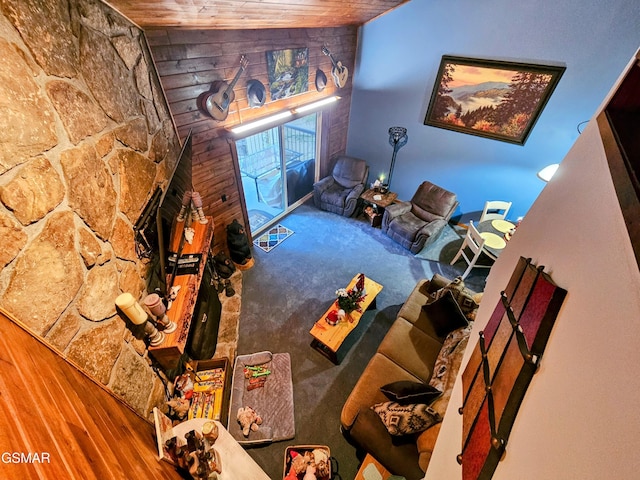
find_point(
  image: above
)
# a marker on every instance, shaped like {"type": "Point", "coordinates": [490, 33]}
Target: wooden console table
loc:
{"type": "Point", "coordinates": [168, 353]}
{"type": "Point", "coordinates": [327, 339]}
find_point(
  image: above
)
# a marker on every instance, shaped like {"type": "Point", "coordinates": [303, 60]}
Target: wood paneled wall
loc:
{"type": "Point", "coordinates": [78, 429]}
{"type": "Point", "coordinates": [188, 61]}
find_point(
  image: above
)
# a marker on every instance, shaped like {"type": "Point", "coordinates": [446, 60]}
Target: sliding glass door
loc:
{"type": "Point", "coordinates": [278, 168]}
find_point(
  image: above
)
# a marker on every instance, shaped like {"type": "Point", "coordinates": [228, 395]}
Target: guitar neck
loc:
{"type": "Point", "coordinates": [333, 60]}
{"type": "Point", "coordinates": [235, 80]}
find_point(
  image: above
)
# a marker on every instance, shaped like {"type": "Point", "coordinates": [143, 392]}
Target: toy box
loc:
{"type": "Point", "coordinates": [319, 456]}
{"type": "Point", "coordinates": [211, 390]}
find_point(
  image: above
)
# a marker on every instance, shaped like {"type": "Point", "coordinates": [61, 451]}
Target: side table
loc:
{"type": "Point", "coordinates": [371, 469]}
{"type": "Point", "coordinates": [378, 202]}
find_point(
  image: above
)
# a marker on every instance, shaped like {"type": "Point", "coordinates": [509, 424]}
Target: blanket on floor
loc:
{"type": "Point", "coordinates": [272, 400]}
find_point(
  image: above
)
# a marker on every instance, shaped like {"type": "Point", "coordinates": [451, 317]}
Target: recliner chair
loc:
{"type": "Point", "coordinates": [339, 192]}
{"type": "Point", "coordinates": [413, 224]}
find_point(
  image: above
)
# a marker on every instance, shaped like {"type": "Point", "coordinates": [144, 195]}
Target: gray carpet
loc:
{"type": "Point", "coordinates": [290, 287]}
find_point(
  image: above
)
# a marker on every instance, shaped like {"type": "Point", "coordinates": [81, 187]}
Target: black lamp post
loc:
{"type": "Point", "coordinates": [398, 138]}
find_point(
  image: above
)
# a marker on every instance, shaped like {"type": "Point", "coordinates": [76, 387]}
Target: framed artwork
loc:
{"type": "Point", "coordinates": [502, 366]}
{"type": "Point", "coordinates": [490, 98]}
{"type": "Point", "coordinates": [288, 72]}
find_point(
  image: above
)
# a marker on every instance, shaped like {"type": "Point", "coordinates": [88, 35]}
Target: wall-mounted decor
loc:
{"type": "Point", "coordinates": [339, 72]}
{"type": "Point", "coordinates": [502, 366]}
{"type": "Point", "coordinates": [288, 72]}
{"type": "Point", "coordinates": [490, 98]}
{"type": "Point", "coordinates": [216, 102]}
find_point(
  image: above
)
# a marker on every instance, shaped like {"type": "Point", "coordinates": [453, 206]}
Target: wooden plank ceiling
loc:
{"type": "Point", "coordinates": [252, 14]}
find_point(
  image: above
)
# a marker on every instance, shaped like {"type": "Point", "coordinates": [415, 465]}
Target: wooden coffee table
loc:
{"type": "Point", "coordinates": [327, 339]}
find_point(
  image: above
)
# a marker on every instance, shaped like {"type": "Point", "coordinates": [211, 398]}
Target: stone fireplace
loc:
{"type": "Point", "coordinates": [85, 137]}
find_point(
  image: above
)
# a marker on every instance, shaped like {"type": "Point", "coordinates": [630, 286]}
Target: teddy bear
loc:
{"type": "Point", "coordinates": [310, 473]}
{"type": "Point", "coordinates": [180, 406]}
{"type": "Point", "coordinates": [248, 419]}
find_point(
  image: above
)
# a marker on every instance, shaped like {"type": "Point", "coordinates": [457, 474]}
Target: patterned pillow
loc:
{"type": "Point", "coordinates": [406, 419]}
{"type": "Point", "coordinates": [462, 295]}
{"type": "Point", "coordinates": [442, 371]}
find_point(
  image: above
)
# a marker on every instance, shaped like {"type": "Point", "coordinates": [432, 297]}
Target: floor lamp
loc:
{"type": "Point", "coordinates": [398, 138]}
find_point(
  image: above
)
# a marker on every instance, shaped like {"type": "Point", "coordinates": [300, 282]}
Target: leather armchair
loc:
{"type": "Point", "coordinates": [339, 192]}
{"type": "Point", "coordinates": [416, 223]}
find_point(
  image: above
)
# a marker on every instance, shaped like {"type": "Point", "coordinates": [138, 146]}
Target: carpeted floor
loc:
{"type": "Point", "coordinates": [291, 286]}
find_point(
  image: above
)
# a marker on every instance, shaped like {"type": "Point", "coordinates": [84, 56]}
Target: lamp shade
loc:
{"type": "Point", "coordinates": [547, 172]}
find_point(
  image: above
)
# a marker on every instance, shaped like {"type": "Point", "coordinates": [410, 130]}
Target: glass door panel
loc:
{"type": "Point", "coordinates": [266, 158]}
{"type": "Point", "coordinates": [261, 171]}
{"type": "Point", "coordinates": [300, 149]}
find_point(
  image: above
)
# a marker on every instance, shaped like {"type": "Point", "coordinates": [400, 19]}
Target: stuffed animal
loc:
{"type": "Point", "coordinates": [180, 406]}
{"type": "Point", "coordinates": [298, 463]}
{"type": "Point", "coordinates": [311, 473]}
{"type": "Point", "coordinates": [248, 419]}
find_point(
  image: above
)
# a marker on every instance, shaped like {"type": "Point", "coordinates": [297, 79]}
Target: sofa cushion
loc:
{"type": "Point", "coordinates": [411, 349]}
{"type": "Point", "coordinates": [445, 314]}
{"type": "Point", "coordinates": [461, 294]}
{"type": "Point", "coordinates": [406, 392]}
{"type": "Point", "coordinates": [406, 419]}
{"type": "Point", "coordinates": [411, 310]}
{"type": "Point", "coordinates": [367, 392]}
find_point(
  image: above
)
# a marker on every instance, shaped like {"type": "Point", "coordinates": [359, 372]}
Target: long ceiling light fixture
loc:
{"type": "Point", "coordinates": [245, 127]}
{"type": "Point", "coordinates": [314, 105]}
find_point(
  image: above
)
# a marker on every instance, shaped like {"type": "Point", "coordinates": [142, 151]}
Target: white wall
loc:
{"type": "Point", "coordinates": [580, 418]}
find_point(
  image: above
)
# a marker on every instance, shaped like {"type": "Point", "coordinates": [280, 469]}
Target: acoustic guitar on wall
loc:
{"type": "Point", "coordinates": [339, 72]}
{"type": "Point", "coordinates": [221, 95]}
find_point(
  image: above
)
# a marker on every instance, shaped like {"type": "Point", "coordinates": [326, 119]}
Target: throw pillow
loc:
{"type": "Point", "coordinates": [442, 367]}
{"type": "Point", "coordinates": [460, 293]}
{"type": "Point", "coordinates": [445, 314]}
{"type": "Point", "coordinates": [406, 392]}
{"type": "Point", "coordinates": [406, 419]}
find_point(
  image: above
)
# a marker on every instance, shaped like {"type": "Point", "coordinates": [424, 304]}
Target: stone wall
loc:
{"type": "Point", "coordinates": [85, 137]}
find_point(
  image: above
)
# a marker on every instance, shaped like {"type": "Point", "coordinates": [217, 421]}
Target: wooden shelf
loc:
{"type": "Point", "coordinates": [169, 352]}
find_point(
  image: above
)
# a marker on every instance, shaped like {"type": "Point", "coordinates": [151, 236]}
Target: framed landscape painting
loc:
{"type": "Point", "coordinates": [288, 72]}
{"type": "Point", "coordinates": [490, 98]}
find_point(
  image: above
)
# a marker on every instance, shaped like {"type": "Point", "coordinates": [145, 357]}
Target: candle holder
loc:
{"type": "Point", "coordinates": [186, 206]}
{"type": "Point", "coordinates": [157, 308]}
{"type": "Point", "coordinates": [136, 314]}
{"type": "Point", "coordinates": [197, 203]}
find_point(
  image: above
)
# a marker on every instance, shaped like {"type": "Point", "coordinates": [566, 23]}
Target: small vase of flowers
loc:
{"type": "Point", "coordinates": [350, 299]}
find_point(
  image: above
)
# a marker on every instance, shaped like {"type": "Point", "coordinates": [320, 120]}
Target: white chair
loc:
{"type": "Point", "coordinates": [495, 209]}
{"type": "Point", "coordinates": [471, 249]}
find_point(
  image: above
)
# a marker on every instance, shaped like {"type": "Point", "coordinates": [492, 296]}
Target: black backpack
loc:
{"type": "Point", "coordinates": [223, 265]}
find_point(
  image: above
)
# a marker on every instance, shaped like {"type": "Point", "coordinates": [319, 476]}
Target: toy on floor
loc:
{"type": "Point", "coordinates": [310, 474]}
{"type": "Point", "coordinates": [179, 406]}
{"type": "Point", "coordinates": [249, 420]}
{"type": "Point", "coordinates": [308, 464]}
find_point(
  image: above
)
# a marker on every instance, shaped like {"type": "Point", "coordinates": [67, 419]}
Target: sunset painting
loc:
{"type": "Point", "coordinates": [490, 98]}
